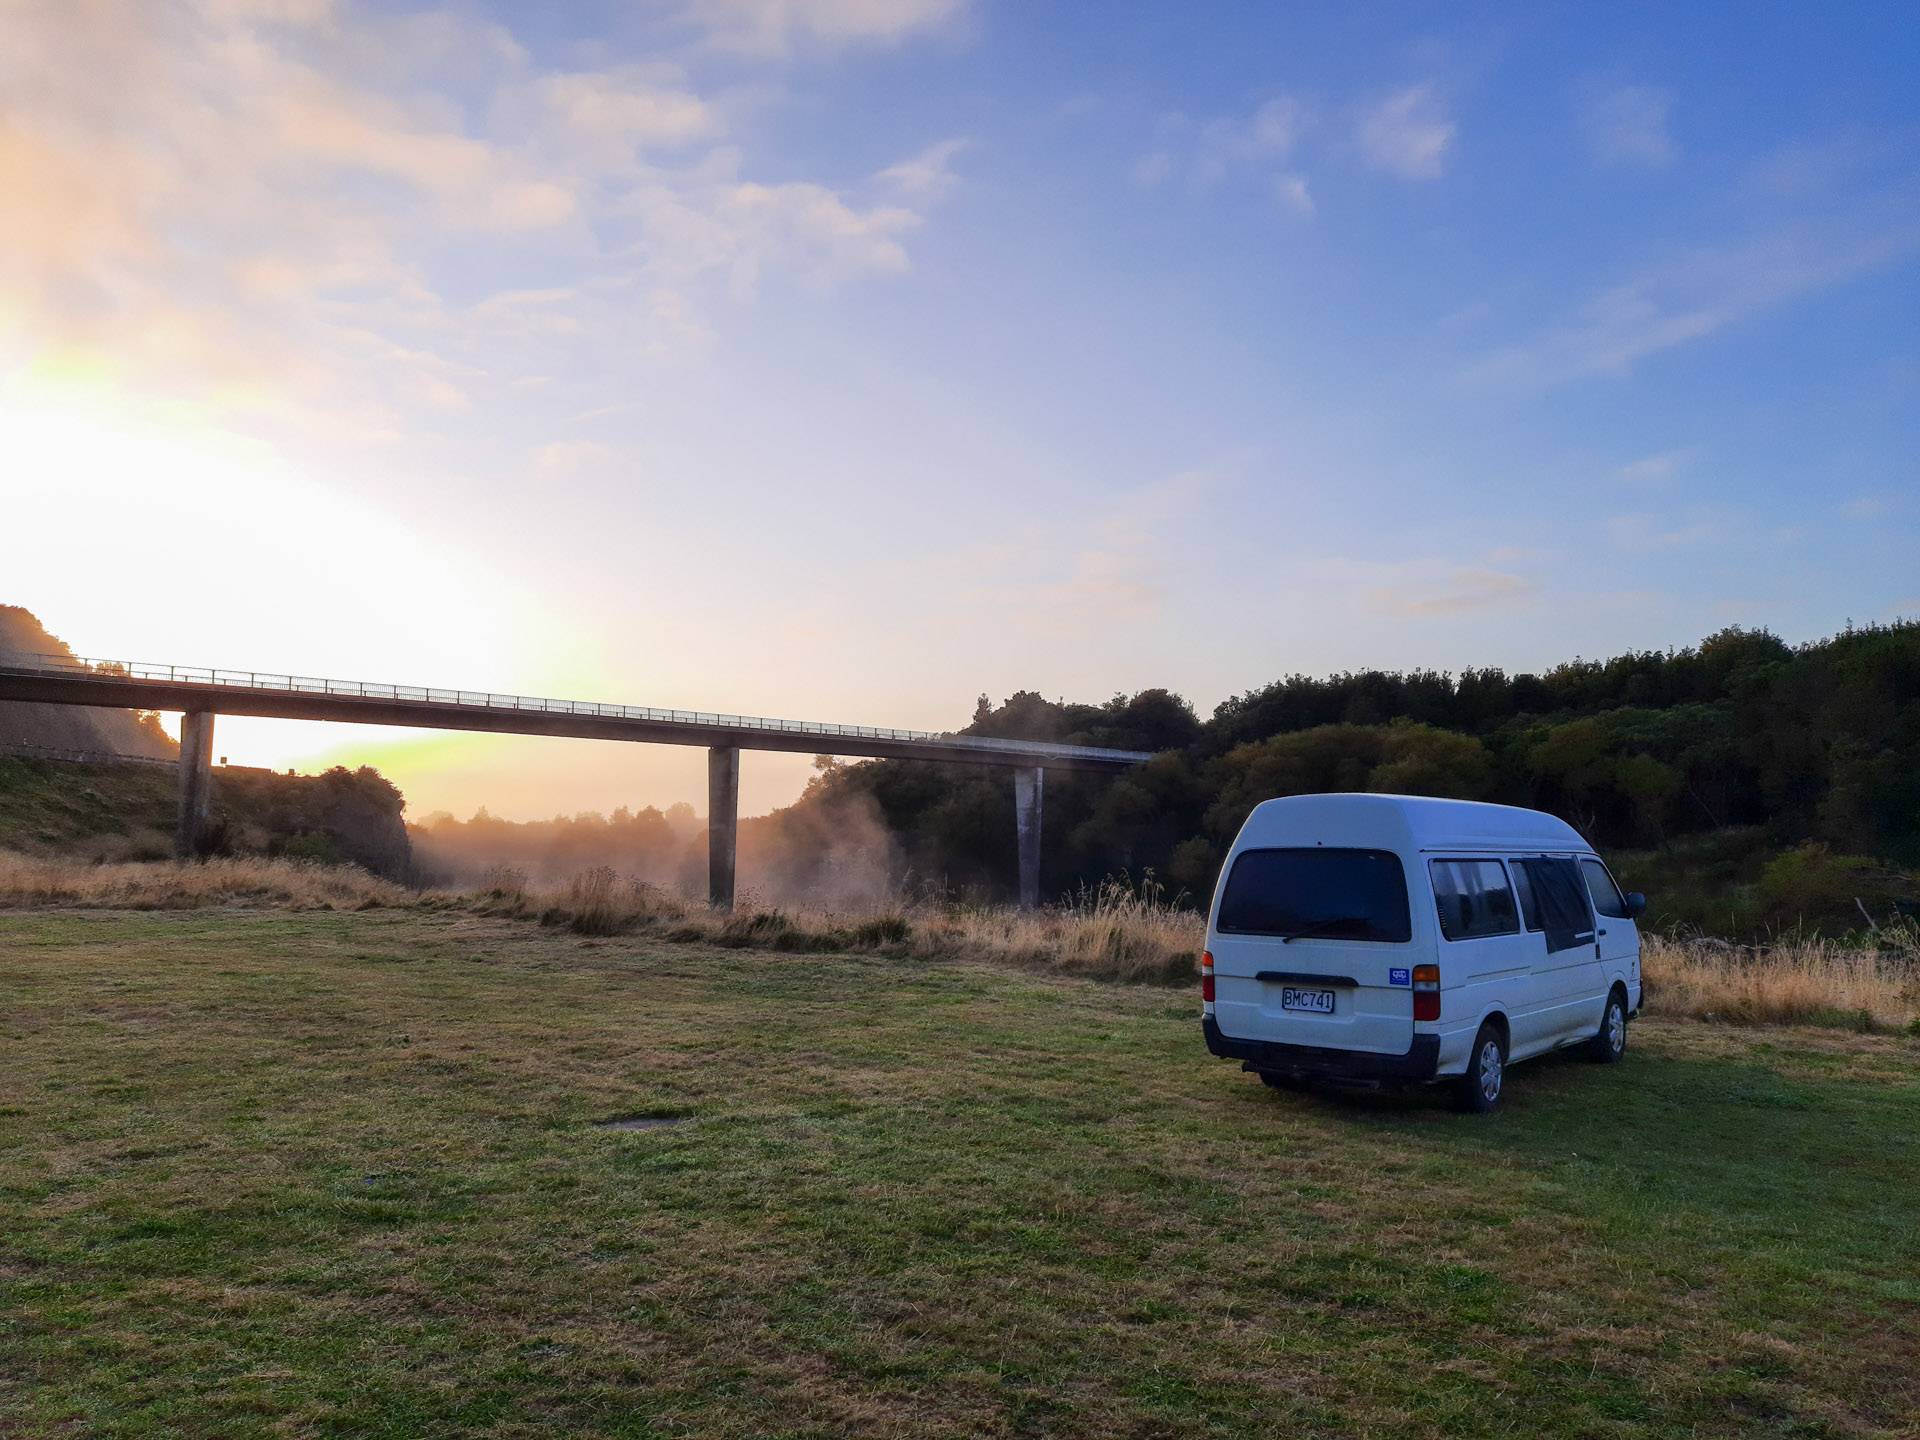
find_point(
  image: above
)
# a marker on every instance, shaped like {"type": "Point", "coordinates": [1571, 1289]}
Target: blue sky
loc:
{"type": "Point", "coordinates": [845, 358]}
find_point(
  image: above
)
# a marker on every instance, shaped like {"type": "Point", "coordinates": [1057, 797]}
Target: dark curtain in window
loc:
{"type": "Point", "coordinates": [1560, 898]}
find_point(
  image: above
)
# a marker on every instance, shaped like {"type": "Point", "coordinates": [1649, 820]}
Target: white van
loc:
{"type": "Point", "coordinates": [1391, 939]}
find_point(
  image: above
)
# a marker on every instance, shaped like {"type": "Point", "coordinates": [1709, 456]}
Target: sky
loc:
{"type": "Point", "coordinates": [848, 359]}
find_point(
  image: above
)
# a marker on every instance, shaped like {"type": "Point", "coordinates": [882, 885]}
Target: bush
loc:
{"type": "Point", "coordinates": [1810, 885]}
{"type": "Point", "coordinates": [591, 907]}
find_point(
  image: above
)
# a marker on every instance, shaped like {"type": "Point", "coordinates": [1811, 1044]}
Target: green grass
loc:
{"type": "Point", "coordinates": [46, 804]}
{"type": "Point", "coordinates": [337, 1174]}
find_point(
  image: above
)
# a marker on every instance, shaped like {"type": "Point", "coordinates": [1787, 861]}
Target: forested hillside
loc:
{"type": "Point", "coordinates": [67, 727]}
{"type": "Point", "coordinates": [1744, 761]}
{"type": "Point", "coordinates": [126, 811]}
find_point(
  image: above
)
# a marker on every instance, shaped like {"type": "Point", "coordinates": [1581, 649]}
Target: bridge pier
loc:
{"type": "Point", "coordinates": [723, 822]}
{"type": "Point", "coordinates": [1027, 786]}
{"type": "Point", "coordinates": [196, 784]}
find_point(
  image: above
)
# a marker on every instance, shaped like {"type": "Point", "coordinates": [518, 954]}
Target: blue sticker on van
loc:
{"type": "Point", "coordinates": [1399, 977]}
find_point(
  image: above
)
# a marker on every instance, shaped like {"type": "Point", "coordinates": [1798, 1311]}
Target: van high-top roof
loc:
{"type": "Point", "coordinates": [1404, 823]}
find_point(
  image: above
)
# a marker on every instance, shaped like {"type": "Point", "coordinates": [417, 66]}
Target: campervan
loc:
{"type": "Point", "coordinates": [1398, 940]}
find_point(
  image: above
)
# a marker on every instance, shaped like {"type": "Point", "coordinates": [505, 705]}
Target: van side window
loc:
{"type": "Point", "coordinates": [1556, 900]}
{"type": "Point", "coordinates": [1607, 898]}
{"type": "Point", "coordinates": [1473, 898]}
{"type": "Point", "coordinates": [1529, 909]}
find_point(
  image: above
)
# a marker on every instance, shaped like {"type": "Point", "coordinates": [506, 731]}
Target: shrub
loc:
{"type": "Point", "coordinates": [591, 906]}
{"type": "Point", "coordinates": [882, 930]}
{"type": "Point", "coordinates": [1811, 885]}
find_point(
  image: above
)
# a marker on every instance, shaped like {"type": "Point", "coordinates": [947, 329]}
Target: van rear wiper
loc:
{"type": "Point", "coordinates": [1317, 931]}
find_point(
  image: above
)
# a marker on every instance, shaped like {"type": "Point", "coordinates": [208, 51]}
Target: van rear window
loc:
{"type": "Point", "coordinates": [1324, 893]}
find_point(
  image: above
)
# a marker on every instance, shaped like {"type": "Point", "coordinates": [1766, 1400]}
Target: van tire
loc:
{"type": "Point", "coordinates": [1485, 1072]}
{"type": "Point", "coordinates": [1609, 1043]}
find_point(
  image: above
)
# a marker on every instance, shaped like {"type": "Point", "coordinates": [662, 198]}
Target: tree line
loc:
{"type": "Point", "coordinates": [1743, 733]}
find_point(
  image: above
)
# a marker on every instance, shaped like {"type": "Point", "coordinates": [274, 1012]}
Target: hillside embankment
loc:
{"type": "Point", "coordinates": [118, 811]}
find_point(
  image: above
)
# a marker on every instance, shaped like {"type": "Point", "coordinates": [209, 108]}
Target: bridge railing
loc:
{"type": "Point", "coordinates": [148, 671]}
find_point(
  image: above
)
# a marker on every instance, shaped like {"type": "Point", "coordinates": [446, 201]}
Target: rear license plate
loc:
{"type": "Point", "coordinates": [1320, 1002]}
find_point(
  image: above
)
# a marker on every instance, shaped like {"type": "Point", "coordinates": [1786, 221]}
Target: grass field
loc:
{"type": "Point", "coordinates": [322, 1173]}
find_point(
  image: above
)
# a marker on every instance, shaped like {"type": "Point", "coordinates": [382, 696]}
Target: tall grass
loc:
{"type": "Point", "coordinates": [1120, 930]}
{"type": "Point", "coordinates": [1789, 982]}
{"type": "Point", "coordinates": [148, 885]}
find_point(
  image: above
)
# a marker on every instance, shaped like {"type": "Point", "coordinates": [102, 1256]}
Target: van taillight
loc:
{"type": "Point", "coordinates": [1426, 992]}
{"type": "Point", "coordinates": [1206, 976]}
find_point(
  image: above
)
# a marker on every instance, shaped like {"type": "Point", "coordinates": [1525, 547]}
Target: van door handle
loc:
{"type": "Point", "coordinates": [1603, 933]}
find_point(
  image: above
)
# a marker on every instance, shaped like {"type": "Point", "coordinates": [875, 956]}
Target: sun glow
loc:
{"type": "Point", "coordinates": [208, 548]}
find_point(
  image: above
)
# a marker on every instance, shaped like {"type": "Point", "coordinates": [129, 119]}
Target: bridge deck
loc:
{"type": "Point", "coordinates": [59, 680]}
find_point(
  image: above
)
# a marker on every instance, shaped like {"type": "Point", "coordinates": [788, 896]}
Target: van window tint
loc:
{"type": "Point", "coordinates": [1607, 898]}
{"type": "Point", "coordinates": [1474, 899]}
{"type": "Point", "coordinates": [1555, 896]}
{"type": "Point", "coordinates": [1327, 893]}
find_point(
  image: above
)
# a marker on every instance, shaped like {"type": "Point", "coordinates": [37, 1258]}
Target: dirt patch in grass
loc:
{"type": "Point", "coordinates": [638, 1122]}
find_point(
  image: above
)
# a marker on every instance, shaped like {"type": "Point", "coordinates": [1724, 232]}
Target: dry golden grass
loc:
{"type": "Point", "coordinates": [1116, 932]}
{"type": "Point", "coordinates": [30, 880]}
{"type": "Point", "coordinates": [1113, 933]}
{"type": "Point", "coordinates": [1791, 982]}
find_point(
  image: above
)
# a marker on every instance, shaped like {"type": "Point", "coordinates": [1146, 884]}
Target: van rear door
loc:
{"type": "Point", "coordinates": [1311, 947]}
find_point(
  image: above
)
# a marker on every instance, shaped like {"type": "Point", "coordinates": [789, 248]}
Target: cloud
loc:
{"type": "Point", "coordinates": [1294, 194]}
{"type": "Point", "coordinates": [1152, 168]}
{"type": "Point", "coordinates": [1865, 507]}
{"type": "Point", "coordinates": [1209, 152]}
{"type": "Point", "coordinates": [1275, 127]}
{"type": "Point", "coordinates": [1656, 467]}
{"type": "Point", "coordinates": [1704, 291]}
{"type": "Point", "coordinates": [568, 457]}
{"type": "Point", "coordinates": [1644, 530]}
{"type": "Point", "coordinates": [927, 176]}
{"type": "Point", "coordinates": [777, 28]}
{"type": "Point", "coordinates": [1805, 169]}
{"type": "Point", "coordinates": [1628, 126]}
{"type": "Point", "coordinates": [814, 228]}
{"type": "Point", "coordinates": [1456, 590]}
{"type": "Point", "coordinates": [272, 12]}
{"type": "Point", "coordinates": [251, 204]}
{"type": "Point", "coordinates": [550, 311]}
{"type": "Point", "coordinates": [610, 114]}
{"type": "Point", "coordinates": [1078, 575]}
{"type": "Point", "coordinates": [1422, 585]}
{"type": "Point", "coordinates": [1407, 134]}
{"type": "Point", "coordinates": [320, 123]}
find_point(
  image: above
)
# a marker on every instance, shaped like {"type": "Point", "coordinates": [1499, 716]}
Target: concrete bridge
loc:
{"type": "Point", "coordinates": [200, 694]}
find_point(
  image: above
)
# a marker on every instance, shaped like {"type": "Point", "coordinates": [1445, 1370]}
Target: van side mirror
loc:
{"type": "Point", "coordinates": [1636, 903]}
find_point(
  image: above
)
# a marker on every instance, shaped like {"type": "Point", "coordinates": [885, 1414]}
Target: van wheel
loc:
{"type": "Point", "coordinates": [1610, 1042]}
{"type": "Point", "coordinates": [1292, 1084]}
{"type": "Point", "coordinates": [1478, 1091]}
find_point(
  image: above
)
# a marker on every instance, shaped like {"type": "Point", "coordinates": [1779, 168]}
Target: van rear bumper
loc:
{"type": "Point", "coordinates": [1420, 1061]}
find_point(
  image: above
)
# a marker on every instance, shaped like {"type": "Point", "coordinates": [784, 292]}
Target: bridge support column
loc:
{"type": "Point", "coordinates": [196, 784]}
{"type": "Point", "coordinates": [1027, 785]}
{"type": "Point", "coordinates": [723, 822]}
